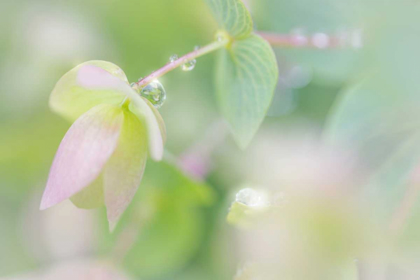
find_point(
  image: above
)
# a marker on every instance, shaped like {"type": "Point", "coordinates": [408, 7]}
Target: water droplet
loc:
{"type": "Point", "coordinates": [252, 198]}
{"type": "Point", "coordinates": [173, 58]}
{"type": "Point", "coordinates": [155, 93]}
{"type": "Point", "coordinates": [341, 37]}
{"type": "Point", "coordinates": [196, 48]}
{"type": "Point", "coordinates": [222, 36]}
{"type": "Point", "coordinates": [356, 40]}
{"type": "Point", "coordinates": [134, 86]}
{"type": "Point", "coordinates": [321, 40]}
{"type": "Point", "coordinates": [118, 72]}
{"type": "Point", "coordinates": [141, 78]}
{"type": "Point", "coordinates": [189, 65]}
{"type": "Point", "coordinates": [298, 76]}
{"type": "Point", "coordinates": [299, 37]}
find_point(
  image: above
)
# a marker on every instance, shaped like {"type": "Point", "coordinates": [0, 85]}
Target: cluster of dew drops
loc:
{"type": "Point", "coordinates": [154, 92]}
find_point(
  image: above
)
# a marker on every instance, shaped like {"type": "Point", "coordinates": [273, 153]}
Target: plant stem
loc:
{"type": "Point", "coordinates": [220, 43]}
{"type": "Point", "coordinates": [317, 40]}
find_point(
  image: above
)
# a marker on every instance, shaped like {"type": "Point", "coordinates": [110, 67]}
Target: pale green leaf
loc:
{"type": "Point", "coordinates": [377, 119]}
{"type": "Point", "coordinates": [155, 126]}
{"type": "Point", "coordinates": [124, 171]}
{"type": "Point", "coordinates": [90, 197]}
{"type": "Point", "coordinates": [159, 119]}
{"type": "Point", "coordinates": [232, 16]}
{"type": "Point", "coordinates": [70, 99]}
{"type": "Point", "coordinates": [246, 77]}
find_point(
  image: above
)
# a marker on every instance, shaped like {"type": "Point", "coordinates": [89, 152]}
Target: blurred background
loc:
{"type": "Point", "coordinates": [327, 189]}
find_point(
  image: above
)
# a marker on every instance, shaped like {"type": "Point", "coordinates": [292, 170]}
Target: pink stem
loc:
{"type": "Point", "coordinates": [317, 40]}
{"type": "Point", "coordinates": [180, 61]}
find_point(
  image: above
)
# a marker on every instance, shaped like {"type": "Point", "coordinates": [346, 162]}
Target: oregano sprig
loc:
{"type": "Point", "coordinates": [220, 42]}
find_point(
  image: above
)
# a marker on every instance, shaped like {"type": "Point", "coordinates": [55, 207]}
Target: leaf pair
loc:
{"type": "Point", "coordinates": [102, 157]}
{"type": "Point", "coordinates": [246, 71]}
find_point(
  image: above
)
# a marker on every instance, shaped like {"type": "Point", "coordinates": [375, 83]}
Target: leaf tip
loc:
{"type": "Point", "coordinates": [47, 201]}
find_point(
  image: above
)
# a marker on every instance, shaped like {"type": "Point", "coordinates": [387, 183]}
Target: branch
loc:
{"type": "Point", "coordinates": [220, 43]}
{"type": "Point", "coordinates": [317, 40]}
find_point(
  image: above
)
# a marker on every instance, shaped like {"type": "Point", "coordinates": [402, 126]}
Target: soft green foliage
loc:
{"type": "Point", "coordinates": [181, 239]}
{"type": "Point", "coordinates": [246, 71]}
{"type": "Point", "coordinates": [232, 16]}
{"type": "Point", "coordinates": [245, 80]}
{"type": "Point", "coordinates": [376, 115]}
{"type": "Point", "coordinates": [171, 223]}
{"type": "Point", "coordinates": [385, 136]}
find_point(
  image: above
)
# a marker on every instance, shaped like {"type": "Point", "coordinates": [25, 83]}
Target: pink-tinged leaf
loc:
{"type": "Point", "coordinates": [155, 134]}
{"type": "Point", "coordinates": [100, 82]}
{"type": "Point", "coordinates": [124, 171]}
{"type": "Point", "coordinates": [87, 85]}
{"type": "Point", "coordinates": [83, 152]}
{"type": "Point", "coordinates": [95, 78]}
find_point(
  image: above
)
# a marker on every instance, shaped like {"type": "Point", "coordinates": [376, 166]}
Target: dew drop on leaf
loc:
{"type": "Point", "coordinates": [173, 58]}
{"type": "Point", "coordinates": [155, 93]}
{"type": "Point", "coordinates": [251, 197]}
{"type": "Point", "coordinates": [189, 65]}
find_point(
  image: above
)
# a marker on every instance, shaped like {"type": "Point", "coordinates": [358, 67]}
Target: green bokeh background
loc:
{"type": "Point", "coordinates": [185, 235]}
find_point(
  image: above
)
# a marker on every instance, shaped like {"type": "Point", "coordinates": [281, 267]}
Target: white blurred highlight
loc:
{"type": "Point", "coordinates": [83, 269]}
{"type": "Point", "coordinates": [61, 232]}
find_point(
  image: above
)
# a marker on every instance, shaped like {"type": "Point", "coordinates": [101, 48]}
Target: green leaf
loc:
{"type": "Point", "coordinates": [246, 76]}
{"type": "Point", "coordinates": [378, 116]}
{"type": "Point", "coordinates": [70, 99]}
{"type": "Point", "coordinates": [124, 171]}
{"type": "Point", "coordinates": [232, 16]}
{"type": "Point", "coordinates": [378, 120]}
